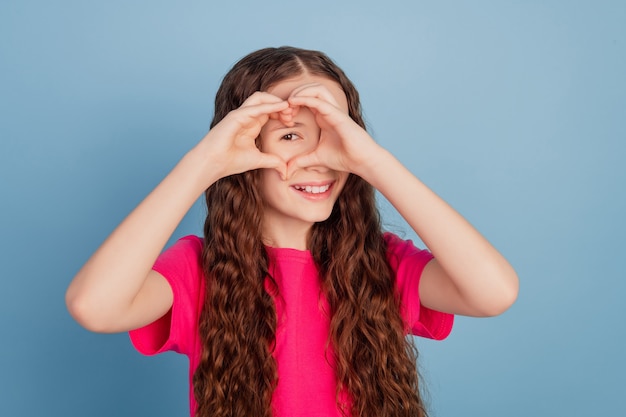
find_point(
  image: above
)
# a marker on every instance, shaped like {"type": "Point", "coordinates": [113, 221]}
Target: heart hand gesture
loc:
{"type": "Point", "coordinates": [343, 144]}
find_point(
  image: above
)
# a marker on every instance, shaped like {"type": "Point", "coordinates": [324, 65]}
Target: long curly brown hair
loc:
{"type": "Point", "coordinates": [375, 362]}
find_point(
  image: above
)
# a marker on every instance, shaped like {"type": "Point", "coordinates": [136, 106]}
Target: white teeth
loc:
{"type": "Point", "coordinates": [313, 189]}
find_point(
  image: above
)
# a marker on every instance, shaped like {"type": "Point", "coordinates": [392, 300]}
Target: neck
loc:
{"type": "Point", "coordinates": [294, 236]}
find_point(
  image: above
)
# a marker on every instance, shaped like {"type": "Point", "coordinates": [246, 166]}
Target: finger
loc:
{"type": "Point", "coordinates": [286, 116]}
{"type": "Point", "coordinates": [302, 161]}
{"type": "Point", "coordinates": [319, 106]}
{"type": "Point", "coordinates": [260, 97]}
{"type": "Point", "coordinates": [315, 90]}
{"type": "Point", "coordinates": [264, 109]}
{"type": "Point", "coordinates": [273, 162]}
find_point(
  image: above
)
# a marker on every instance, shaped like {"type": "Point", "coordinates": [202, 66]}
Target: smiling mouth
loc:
{"type": "Point", "coordinates": [313, 189]}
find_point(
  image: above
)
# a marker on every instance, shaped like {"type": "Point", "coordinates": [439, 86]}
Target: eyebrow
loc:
{"type": "Point", "coordinates": [282, 126]}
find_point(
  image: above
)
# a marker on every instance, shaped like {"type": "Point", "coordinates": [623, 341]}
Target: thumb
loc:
{"type": "Point", "coordinates": [274, 162]}
{"type": "Point", "coordinates": [302, 161]}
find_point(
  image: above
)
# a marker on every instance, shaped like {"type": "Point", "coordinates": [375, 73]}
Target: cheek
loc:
{"type": "Point", "coordinates": [280, 149]}
{"type": "Point", "coordinates": [287, 152]}
{"type": "Point", "coordinates": [343, 178]}
{"type": "Point", "coordinates": [268, 183]}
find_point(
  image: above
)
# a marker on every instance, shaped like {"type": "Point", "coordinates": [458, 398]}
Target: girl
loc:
{"type": "Point", "coordinates": [295, 303]}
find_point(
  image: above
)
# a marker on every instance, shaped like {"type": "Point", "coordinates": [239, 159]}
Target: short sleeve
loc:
{"type": "Point", "coordinates": [408, 262]}
{"type": "Point", "coordinates": [177, 330]}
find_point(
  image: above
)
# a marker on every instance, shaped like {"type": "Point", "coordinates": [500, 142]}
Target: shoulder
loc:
{"type": "Point", "coordinates": [190, 245]}
{"type": "Point", "coordinates": [408, 263]}
{"type": "Point", "coordinates": [184, 255]}
{"type": "Point", "coordinates": [181, 266]}
{"type": "Point", "coordinates": [401, 251]}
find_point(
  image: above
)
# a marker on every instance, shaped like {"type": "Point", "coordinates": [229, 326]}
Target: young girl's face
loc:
{"type": "Point", "coordinates": [292, 206]}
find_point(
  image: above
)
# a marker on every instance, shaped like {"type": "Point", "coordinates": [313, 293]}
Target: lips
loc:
{"type": "Point", "coordinates": [313, 189]}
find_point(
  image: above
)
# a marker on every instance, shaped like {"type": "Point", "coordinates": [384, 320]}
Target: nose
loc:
{"type": "Point", "coordinates": [320, 169]}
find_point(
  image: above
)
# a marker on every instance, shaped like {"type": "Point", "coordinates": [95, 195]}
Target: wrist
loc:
{"type": "Point", "coordinates": [198, 168]}
{"type": "Point", "coordinates": [376, 165]}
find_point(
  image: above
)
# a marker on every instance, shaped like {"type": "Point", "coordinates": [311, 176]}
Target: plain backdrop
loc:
{"type": "Point", "coordinates": [513, 111]}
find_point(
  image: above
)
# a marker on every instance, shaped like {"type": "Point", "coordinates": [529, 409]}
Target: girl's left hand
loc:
{"type": "Point", "coordinates": [343, 144]}
{"type": "Point", "coordinates": [468, 275]}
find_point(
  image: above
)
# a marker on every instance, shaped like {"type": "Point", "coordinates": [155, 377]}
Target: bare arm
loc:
{"type": "Point", "coordinates": [468, 275]}
{"type": "Point", "coordinates": [116, 290]}
{"type": "Point", "coordinates": [106, 295]}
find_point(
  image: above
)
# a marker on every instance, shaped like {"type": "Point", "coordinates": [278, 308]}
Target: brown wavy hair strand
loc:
{"type": "Point", "coordinates": [237, 374]}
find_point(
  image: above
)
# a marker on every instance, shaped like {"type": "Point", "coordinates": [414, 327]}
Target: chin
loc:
{"type": "Point", "coordinates": [319, 217]}
{"type": "Point", "coordinates": [320, 220]}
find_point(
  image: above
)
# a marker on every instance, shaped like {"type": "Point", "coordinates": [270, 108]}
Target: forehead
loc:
{"type": "Point", "coordinates": [284, 88]}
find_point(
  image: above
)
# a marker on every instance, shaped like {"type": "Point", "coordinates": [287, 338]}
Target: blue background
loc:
{"type": "Point", "coordinates": [513, 111]}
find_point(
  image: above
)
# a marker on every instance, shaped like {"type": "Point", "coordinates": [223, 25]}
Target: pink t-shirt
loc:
{"type": "Point", "coordinates": [306, 381]}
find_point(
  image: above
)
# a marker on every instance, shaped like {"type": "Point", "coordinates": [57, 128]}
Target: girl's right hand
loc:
{"type": "Point", "coordinates": [229, 147]}
{"type": "Point", "coordinates": [116, 290]}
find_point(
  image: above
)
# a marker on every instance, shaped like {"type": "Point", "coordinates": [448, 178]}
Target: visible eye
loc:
{"type": "Point", "coordinates": [290, 136]}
